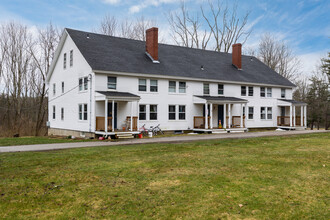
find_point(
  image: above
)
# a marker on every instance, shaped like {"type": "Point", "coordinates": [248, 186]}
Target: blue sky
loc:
{"type": "Point", "coordinates": [304, 24]}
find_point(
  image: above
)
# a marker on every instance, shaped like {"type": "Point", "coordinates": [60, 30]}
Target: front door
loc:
{"type": "Point", "coordinates": [115, 113]}
{"type": "Point", "coordinates": [220, 115]}
{"type": "Point", "coordinates": [282, 122]}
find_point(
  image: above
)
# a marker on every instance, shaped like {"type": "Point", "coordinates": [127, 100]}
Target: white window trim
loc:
{"type": "Point", "coordinates": [83, 84]}
{"type": "Point", "coordinates": [204, 90]}
{"type": "Point", "coordinates": [110, 89]}
{"type": "Point", "coordinates": [248, 113]}
{"type": "Point", "coordinates": [82, 109]}
{"type": "Point", "coordinates": [266, 113]}
{"type": "Point", "coordinates": [246, 92]}
{"type": "Point", "coordinates": [174, 87]}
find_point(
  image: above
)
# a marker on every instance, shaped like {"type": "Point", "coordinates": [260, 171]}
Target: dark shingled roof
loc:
{"type": "Point", "coordinates": [106, 53]}
{"type": "Point", "coordinates": [221, 98]}
{"type": "Point", "coordinates": [118, 94]}
{"type": "Point", "coordinates": [292, 101]}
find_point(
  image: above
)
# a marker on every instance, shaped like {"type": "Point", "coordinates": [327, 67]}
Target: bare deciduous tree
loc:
{"type": "Point", "coordinates": [225, 25]}
{"type": "Point", "coordinates": [278, 56]}
{"type": "Point", "coordinates": [186, 29]}
{"type": "Point", "coordinates": [108, 25]}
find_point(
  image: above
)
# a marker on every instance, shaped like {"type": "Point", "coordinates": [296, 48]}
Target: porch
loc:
{"type": "Point", "coordinates": [116, 113]}
{"type": "Point", "coordinates": [293, 114]}
{"type": "Point", "coordinates": [229, 114]}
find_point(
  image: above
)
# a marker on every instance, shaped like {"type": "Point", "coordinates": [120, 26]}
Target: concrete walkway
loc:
{"type": "Point", "coordinates": [174, 139]}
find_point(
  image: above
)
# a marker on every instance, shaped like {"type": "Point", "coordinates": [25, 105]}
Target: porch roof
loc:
{"type": "Point", "coordinates": [126, 96]}
{"type": "Point", "coordinates": [221, 99]}
{"type": "Point", "coordinates": [293, 102]}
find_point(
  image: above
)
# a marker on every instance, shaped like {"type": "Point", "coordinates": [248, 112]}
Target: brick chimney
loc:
{"type": "Point", "coordinates": [152, 43]}
{"type": "Point", "coordinates": [237, 55]}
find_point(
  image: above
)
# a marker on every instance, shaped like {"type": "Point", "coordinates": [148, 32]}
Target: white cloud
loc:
{"type": "Point", "coordinates": [146, 3]}
{"type": "Point", "coordinates": [310, 61]}
{"type": "Point", "coordinates": [112, 2]}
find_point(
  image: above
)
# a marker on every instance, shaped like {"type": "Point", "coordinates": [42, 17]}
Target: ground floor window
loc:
{"type": "Point", "coordinates": [266, 113]}
{"type": "Point", "coordinates": [62, 114]}
{"type": "Point", "coordinates": [171, 112]}
{"type": "Point", "coordinates": [153, 112]}
{"type": "Point", "coordinates": [251, 110]}
{"type": "Point", "coordinates": [83, 112]}
{"type": "Point", "coordinates": [143, 112]}
{"type": "Point", "coordinates": [182, 112]}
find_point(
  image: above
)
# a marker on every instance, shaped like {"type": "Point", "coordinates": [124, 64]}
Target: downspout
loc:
{"type": "Point", "coordinates": [90, 102]}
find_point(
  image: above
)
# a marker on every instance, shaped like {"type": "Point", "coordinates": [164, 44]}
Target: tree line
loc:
{"type": "Point", "coordinates": [26, 56]}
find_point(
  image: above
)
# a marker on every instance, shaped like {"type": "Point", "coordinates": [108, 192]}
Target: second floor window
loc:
{"type": "Point", "coordinates": [62, 87]}
{"type": "Point", "coordinates": [64, 61]}
{"type": "Point", "coordinates": [112, 82]}
{"type": "Point", "coordinates": [262, 92]}
{"type": "Point", "coordinates": [71, 57]}
{"type": "Point", "coordinates": [54, 89]}
{"type": "Point", "coordinates": [142, 112]}
{"type": "Point", "coordinates": [269, 92]}
{"type": "Point", "coordinates": [250, 90]}
{"type": "Point", "coordinates": [83, 83]}
{"type": "Point", "coordinates": [206, 89]}
{"type": "Point", "coordinates": [243, 90]}
{"type": "Point", "coordinates": [172, 86]}
{"type": "Point", "coordinates": [153, 112]}
{"type": "Point", "coordinates": [220, 89]}
{"type": "Point", "coordinates": [182, 87]}
{"type": "Point", "coordinates": [283, 93]}
{"type": "Point", "coordinates": [142, 85]}
{"type": "Point", "coordinates": [153, 85]}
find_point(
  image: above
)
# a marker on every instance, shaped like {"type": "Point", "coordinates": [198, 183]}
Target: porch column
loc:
{"type": "Point", "coordinates": [229, 114]}
{"type": "Point", "coordinates": [131, 117]}
{"type": "Point", "coordinates": [106, 115]}
{"type": "Point", "coordinates": [290, 115]}
{"type": "Point", "coordinates": [302, 116]}
{"type": "Point", "coordinates": [137, 113]}
{"type": "Point", "coordinates": [305, 116]}
{"type": "Point", "coordinates": [224, 122]}
{"type": "Point", "coordinates": [294, 116]}
{"type": "Point", "coordinates": [211, 114]}
{"type": "Point", "coordinates": [246, 115]}
{"type": "Point", "coordinates": [113, 115]}
{"type": "Point", "coordinates": [206, 117]}
{"type": "Point", "coordinates": [241, 116]}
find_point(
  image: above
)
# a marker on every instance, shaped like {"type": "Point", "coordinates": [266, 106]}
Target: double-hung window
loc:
{"type": "Point", "coordinates": [251, 110]}
{"type": "Point", "coordinates": [283, 93]}
{"type": "Point", "coordinates": [62, 87]}
{"type": "Point", "coordinates": [263, 113]}
{"type": "Point", "coordinates": [142, 112]}
{"type": "Point", "coordinates": [243, 90]}
{"type": "Point", "coordinates": [83, 112]}
{"type": "Point", "coordinates": [142, 85]}
{"type": "Point", "coordinates": [182, 112]}
{"type": "Point", "coordinates": [262, 92]}
{"type": "Point", "coordinates": [171, 112]}
{"type": "Point", "coordinates": [250, 90]}
{"type": "Point", "coordinates": [153, 85]}
{"type": "Point", "coordinates": [220, 89]}
{"type": "Point", "coordinates": [266, 113]}
{"type": "Point", "coordinates": [54, 112]}
{"type": "Point", "coordinates": [112, 82]}
{"type": "Point", "coordinates": [64, 61]}
{"type": "Point", "coordinates": [71, 57]}
{"type": "Point", "coordinates": [269, 113]}
{"type": "Point", "coordinates": [206, 89]}
{"type": "Point", "coordinates": [153, 112]}
{"type": "Point", "coordinates": [172, 86]}
{"type": "Point", "coordinates": [182, 87]}
{"type": "Point", "coordinates": [85, 83]}
{"type": "Point", "coordinates": [62, 114]}
{"type": "Point", "coordinates": [269, 92]}
{"type": "Point", "coordinates": [80, 84]}
{"type": "Point", "coordinates": [54, 89]}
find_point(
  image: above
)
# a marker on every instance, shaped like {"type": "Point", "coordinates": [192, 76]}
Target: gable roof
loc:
{"type": "Point", "coordinates": [107, 53]}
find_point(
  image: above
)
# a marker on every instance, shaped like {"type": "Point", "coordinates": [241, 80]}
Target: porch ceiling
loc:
{"type": "Point", "coordinates": [121, 96]}
{"type": "Point", "coordinates": [218, 99]}
{"type": "Point", "coordinates": [288, 102]}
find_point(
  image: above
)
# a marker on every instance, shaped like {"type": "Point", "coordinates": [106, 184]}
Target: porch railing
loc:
{"type": "Point", "coordinates": [283, 120]}
{"type": "Point", "coordinates": [134, 123]}
{"type": "Point", "coordinates": [199, 122]}
{"type": "Point", "coordinates": [100, 124]}
{"type": "Point", "coordinates": [236, 121]}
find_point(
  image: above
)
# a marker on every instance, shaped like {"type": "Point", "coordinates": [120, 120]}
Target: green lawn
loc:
{"type": "Point", "coordinates": [37, 140]}
{"type": "Point", "coordinates": [259, 178]}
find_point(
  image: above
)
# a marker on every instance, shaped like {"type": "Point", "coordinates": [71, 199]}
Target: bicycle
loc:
{"type": "Point", "coordinates": [143, 130]}
{"type": "Point", "coordinates": [156, 129]}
